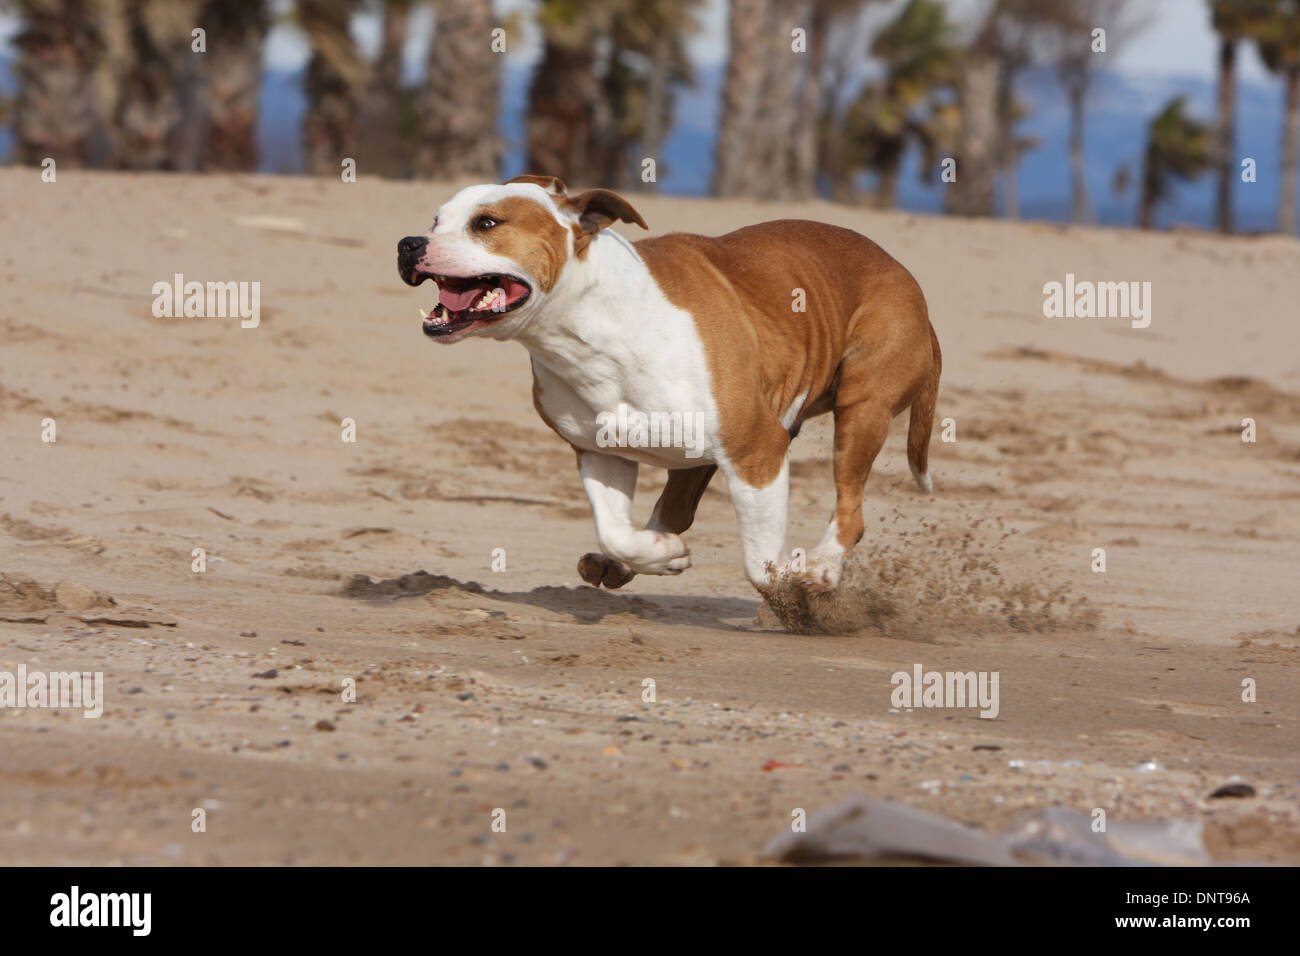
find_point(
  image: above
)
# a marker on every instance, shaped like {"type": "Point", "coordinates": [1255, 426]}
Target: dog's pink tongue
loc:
{"type": "Point", "coordinates": [459, 300]}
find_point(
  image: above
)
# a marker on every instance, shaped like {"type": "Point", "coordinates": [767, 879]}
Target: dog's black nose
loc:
{"type": "Point", "coordinates": [409, 252]}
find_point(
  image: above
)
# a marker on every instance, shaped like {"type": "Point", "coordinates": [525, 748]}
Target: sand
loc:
{"type": "Point", "coordinates": [521, 690]}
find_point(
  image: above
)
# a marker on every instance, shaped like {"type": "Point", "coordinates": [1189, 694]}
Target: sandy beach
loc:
{"type": "Point", "coordinates": [521, 689]}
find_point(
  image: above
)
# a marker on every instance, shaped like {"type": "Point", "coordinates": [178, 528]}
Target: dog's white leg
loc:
{"type": "Point", "coordinates": [610, 483]}
{"type": "Point", "coordinates": [762, 515]}
{"type": "Point", "coordinates": [673, 513]}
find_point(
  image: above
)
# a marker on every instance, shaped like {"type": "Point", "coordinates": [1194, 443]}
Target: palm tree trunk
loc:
{"type": "Point", "coordinates": [804, 171]}
{"type": "Point", "coordinates": [1146, 211]}
{"type": "Point", "coordinates": [385, 149]}
{"type": "Point", "coordinates": [73, 62]}
{"type": "Point", "coordinates": [232, 79]}
{"type": "Point", "coordinates": [1080, 208]}
{"type": "Point", "coordinates": [335, 84]}
{"type": "Point", "coordinates": [734, 156]}
{"type": "Point", "coordinates": [1223, 136]}
{"type": "Point", "coordinates": [976, 193]}
{"type": "Point", "coordinates": [1010, 189]}
{"type": "Point", "coordinates": [778, 111]}
{"type": "Point", "coordinates": [155, 92]}
{"type": "Point", "coordinates": [1147, 198]}
{"type": "Point", "coordinates": [609, 162]}
{"type": "Point", "coordinates": [458, 127]}
{"type": "Point", "coordinates": [187, 138]}
{"type": "Point", "coordinates": [561, 133]}
{"type": "Point", "coordinates": [109, 81]}
{"type": "Point", "coordinates": [830, 133]}
{"type": "Point", "coordinates": [887, 188]}
{"type": "Point", "coordinates": [656, 107]}
{"type": "Point", "coordinates": [1286, 212]}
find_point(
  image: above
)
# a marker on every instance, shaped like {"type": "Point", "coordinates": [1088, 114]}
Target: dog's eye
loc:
{"type": "Point", "coordinates": [485, 222]}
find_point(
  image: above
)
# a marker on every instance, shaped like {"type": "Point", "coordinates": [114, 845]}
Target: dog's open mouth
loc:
{"type": "Point", "coordinates": [466, 302]}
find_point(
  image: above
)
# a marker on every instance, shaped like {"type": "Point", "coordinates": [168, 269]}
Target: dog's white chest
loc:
{"type": "Point", "coordinates": [621, 370]}
{"type": "Point", "coordinates": [664, 422]}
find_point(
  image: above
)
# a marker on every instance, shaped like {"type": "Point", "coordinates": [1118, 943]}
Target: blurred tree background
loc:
{"type": "Point", "coordinates": [119, 84]}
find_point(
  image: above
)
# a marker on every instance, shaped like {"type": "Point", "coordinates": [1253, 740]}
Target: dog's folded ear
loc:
{"type": "Point", "coordinates": [598, 208]}
{"type": "Point", "coordinates": [552, 184]}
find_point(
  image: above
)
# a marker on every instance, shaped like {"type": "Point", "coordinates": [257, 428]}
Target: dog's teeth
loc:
{"type": "Point", "coordinates": [423, 314]}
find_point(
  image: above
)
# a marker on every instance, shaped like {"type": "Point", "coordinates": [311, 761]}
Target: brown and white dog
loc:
{"type": "Point", "coordinates": [689, 325]}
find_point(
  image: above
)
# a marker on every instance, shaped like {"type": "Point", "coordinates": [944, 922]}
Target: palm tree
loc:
{"type": "Point", "coordinates": [568, 117]}
{"type": "Point", "coordinates": [604, 86]}
{"type": "Point", "coordinates": [976, 193]}
{"type": "Point", "coordinates": [1234, 20]}
{"type": "Point", "coordinates": [1278, 38]}
{"type": "Point", "coordinates": [816, 145]}
{"type": "Point", "coordinates": [459, 105]}
{"type": "Point", "coordinates": [1016, 33]}
{"type": "Point", "coordinates": [1012, 110]}
{"type": "Point", "coordinates": [1075, 61]}
{"type": "Point", "coordinates": [336, 81]}
{"type": "Point", "coordinates": [838, 48]}
{"type": "Point", "coordinates": [1074, 71]}
{"type": "Point", "coordinates": [229, 80]}
{"type": "Point", "coordinates": [154, 98]}
{"type": "Point", "coordinates": [985, 87]}
{"type": "Point", "coordinates": [388, 118]}
{"type": "Point", "coordinates": [659, 27]}
{"type": "Point", "coordinates": [920, 57]}
{"type": "Point", "coordinates": [639, 31]}
{"type": "Point", "coordinates": [781, 124]}
{"type": "Point", "coordinates": [777, 117]}
{"type": "Point", "coordinates": [66, 92]}
{"type": "Point", "coordinates": [1178, 147]}
{"type": "Point", "coordinates": [734, 164]}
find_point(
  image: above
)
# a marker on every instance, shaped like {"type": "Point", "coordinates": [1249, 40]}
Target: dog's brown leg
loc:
{"type": "Point", "coordinates": [674, 513]}
{"type": "Point", "coordinates": [675, 510]}
{"type": "Point", "coordinates": [860, 431]}
{"type": "Point", "coordinates": [875, 384]}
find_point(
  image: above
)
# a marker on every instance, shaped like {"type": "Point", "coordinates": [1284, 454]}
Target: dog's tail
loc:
{"type": "Point", "coordinates": [922, 420]}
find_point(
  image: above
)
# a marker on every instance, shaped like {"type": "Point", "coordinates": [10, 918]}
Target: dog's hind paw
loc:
{"type": "Point", "coordinates": [818, 575]}
{"type": "Point", "coordinates": [821, 577]}
{"type": "Point", "coordinates": [597, 569]}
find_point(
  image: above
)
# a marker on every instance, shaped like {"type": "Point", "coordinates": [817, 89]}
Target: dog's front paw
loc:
{"type": "Point", "coordinates": [670, 555]}
{"type": "Point", "coordinates": [597, 569]}
{"type": "Point", "coordinates": [671, 566]}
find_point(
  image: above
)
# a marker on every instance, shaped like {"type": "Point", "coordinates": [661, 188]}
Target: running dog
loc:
{"type": "Point", "coordinates": [746, 335]}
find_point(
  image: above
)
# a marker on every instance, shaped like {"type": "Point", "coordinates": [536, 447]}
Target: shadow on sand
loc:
{"type": "Point", "coordinates": [586, 605]}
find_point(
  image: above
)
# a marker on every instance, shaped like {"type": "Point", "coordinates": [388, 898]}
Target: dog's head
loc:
{"type": "Point", "coordinates": [498, 252]}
